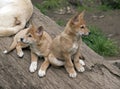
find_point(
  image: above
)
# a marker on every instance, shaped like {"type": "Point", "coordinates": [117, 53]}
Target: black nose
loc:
{"type": "Point", "coordinates": [89, 33]}
{"type": "Point", "coordinates": [21, 39]}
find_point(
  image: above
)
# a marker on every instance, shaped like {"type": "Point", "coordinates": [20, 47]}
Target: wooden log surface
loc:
{"type": "Point", "coordinates": [14, 73]}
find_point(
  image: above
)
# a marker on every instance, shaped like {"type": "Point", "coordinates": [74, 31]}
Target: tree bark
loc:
{"type": "Point", "coordinates": [14, 73]}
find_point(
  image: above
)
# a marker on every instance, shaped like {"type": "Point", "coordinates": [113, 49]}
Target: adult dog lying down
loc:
{"type": "Point", "coordinates": [13, 15]}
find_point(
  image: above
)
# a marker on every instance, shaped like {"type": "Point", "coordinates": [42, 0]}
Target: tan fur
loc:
{"type": "Point", "coordinates": [66, 46]}
{"type": "Point", "coordinates": [14, 15]}
{"type": "Point", "coordinates": [39, 42]}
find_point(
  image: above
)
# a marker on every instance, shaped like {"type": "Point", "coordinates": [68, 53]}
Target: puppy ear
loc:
{"type": "Point", "coordinates": [81, 15]}
{"type": "Point", "coordinates": [77, 18]}
{"type": "Point", "coordinates": [40, 31]}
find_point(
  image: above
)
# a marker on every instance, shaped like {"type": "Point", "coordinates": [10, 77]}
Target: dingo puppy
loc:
{"type": "Point", "coordinates": [14, 14]}
{"type": "Point", "coordinates": [39, 42]}
{"type": "Point", "coordinates": [66, 46]}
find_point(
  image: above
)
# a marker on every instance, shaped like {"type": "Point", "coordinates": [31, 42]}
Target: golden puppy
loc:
{"type": "Point", "coordinates": [66, 46]}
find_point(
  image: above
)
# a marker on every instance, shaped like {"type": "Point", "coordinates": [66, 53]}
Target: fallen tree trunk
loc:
{"type": "Point", "coordinates": [14, 73]}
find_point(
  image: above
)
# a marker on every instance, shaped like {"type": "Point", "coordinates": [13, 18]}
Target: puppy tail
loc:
{"type": "Point", "coordinates": [55, 61]}
{"type": "Point", "coordinates": [8, 31]}
{"type": "Point", "coordinates": [13, 46]}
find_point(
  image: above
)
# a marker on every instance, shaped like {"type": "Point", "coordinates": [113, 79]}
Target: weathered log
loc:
{"type": "Point", "coordinates": [14, 73]}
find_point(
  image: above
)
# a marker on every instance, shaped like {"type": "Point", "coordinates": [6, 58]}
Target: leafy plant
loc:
{"type": "Point", "coordinates": [113, 4]}
{"type": "Point", "coordinates": [81, 8]}
{"type": "Point", "coordinates": [41, 8]}
{"type": "Point", "coordinates": [60, 22]}
{"type": "Point", "coordinates": [100, 43]}
{"type": "Point", "coordinates": [50, 4]}
{"type": "Point", "coordinates": [104, 8]}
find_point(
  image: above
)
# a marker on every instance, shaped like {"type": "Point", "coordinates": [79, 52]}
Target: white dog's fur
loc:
{"type": "Point", "coordinates": [14, 15]}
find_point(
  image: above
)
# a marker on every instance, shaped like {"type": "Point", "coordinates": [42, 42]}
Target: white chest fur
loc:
{"type": "Point", "coordinates": [74, 48]}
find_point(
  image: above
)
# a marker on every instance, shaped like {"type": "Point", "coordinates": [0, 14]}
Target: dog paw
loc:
{"type": "Point", "coordinates": [81, 69]}
{"type": "Point", "coordinates": [82, 62]}
{"type": "Point", "coordinates": [5, 51]}
{"type": "Point", "coordinates": [33, 67]}
{"type": "Point", "coordinates": [41, 73]}
{"type": "Point", "coordinates": [73, 75]}
{"type": "Point", "coordinates": [20, 54]}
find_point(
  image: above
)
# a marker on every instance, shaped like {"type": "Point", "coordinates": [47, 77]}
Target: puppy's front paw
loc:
{"type": "Point", "coordinates": [20, 54]}
{"type": "Point", "coordinates": [82, 62]}
{"type": "Point", "coordinates": [73, 75]}
{"type": "Point", "coordinates": [81, 69]}
{"type": "Point", "coordinates": [41, 73]}
{"type": "Point", "coordinates": [33, 67]}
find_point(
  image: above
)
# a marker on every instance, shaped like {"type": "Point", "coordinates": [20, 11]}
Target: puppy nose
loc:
{"type": "Point", "coordinates": [89, 33]}
{"type": "Point", "coordinates": [21, 39]}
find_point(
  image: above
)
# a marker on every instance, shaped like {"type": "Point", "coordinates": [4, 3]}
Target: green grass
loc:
{"type": "Point", "coordinates": [41, 8]}
{"type": "Point", "coordinates": [81, 8]}
{"type": "Point", "coordinates": [61, 22]}
{"type": "Point", "coordinates": [100, 7]}
{"type": "Point", "coordinates": [104, 8]}
{"type": "Point", "coordinates": [100, 43]}
{"type": "Point", "coordinates": [50, 4]}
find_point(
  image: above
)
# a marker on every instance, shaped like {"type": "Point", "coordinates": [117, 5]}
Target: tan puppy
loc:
{"type": "Point", "coordinates": [39, 42]}
{"type": "Point", "coordinates": [66, 46]}
{"type": "Point", "coordinates": [14, 15]}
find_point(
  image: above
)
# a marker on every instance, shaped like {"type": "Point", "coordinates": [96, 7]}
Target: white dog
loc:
{"type": "Point", "coordinates": [14, 15]}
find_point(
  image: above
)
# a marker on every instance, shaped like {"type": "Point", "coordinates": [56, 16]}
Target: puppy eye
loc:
{"type": "Point", "coordinates": [29, 35]}
{"type": "Point", "coordinates": [82, 27]}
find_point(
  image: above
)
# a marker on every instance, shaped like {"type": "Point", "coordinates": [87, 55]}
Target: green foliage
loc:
{"type": "Point", "coordinates": [51, 4]}
{"type": "Point", "coordinates": [41, 8]}
{"type": "Point", "coordinates": [60, 22]}
{"type": "Point", "coordinates": [81, 8]}
{"type": "Point", "coordinates": [113, 4]}
{"type": "Point", "coordinates": [101, 44]}
{"type": "Point", "coordinates": [104, 8]}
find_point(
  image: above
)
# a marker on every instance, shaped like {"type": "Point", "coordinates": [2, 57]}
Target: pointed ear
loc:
{"type": "Point", "coordinates": [40, 31]}
{"type": "Point", "coordinates": [75, 19]}
{"type": "Point", "coordinates": [81, 15]}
